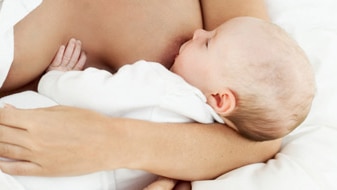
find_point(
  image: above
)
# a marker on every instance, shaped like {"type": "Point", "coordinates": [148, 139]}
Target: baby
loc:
{"type": "Point", "coordinates": [255, 78]}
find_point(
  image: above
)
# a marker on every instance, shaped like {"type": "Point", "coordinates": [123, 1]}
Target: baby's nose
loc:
{"type": "Point", "coordinates": [198, 33]}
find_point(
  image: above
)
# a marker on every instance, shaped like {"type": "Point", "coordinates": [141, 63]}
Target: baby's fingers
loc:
{"type": "Point", "coordinates": [69, 57]}
{"type": "Point", "coordinates": [68, 54]}
{"type": "Point", "coordinates": [75, 56]}
{"type": "Point", "coordinates": [81, 62]}
{"type": "Point", "coordinates": [162, 183]}
{"type": "Point", "coordinates": [58, 58]}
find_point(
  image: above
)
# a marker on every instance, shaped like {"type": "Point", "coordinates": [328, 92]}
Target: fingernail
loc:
{"type": "Point", "coordinates": [72, 40]}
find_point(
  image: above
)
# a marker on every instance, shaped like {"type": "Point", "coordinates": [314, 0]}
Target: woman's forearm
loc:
{"type": "Point", "coordinates": [83, 141]}
{"type": "Point", "coordinates": [186, 151]}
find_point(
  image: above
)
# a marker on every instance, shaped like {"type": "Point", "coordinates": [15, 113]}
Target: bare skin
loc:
{"type": "Point", "coordinates": [111, 38]}
{"type": "Point", "coordinates": [116, 33]}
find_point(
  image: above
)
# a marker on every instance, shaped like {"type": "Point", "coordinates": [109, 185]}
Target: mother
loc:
{"type": "Point", "coordinates": [114, 33]}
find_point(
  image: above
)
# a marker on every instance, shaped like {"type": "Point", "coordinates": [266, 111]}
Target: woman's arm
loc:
{"type": "Point", "coordinates": [83, 141]}
{"type": "Point", "coordinates": [193, 151]}
{"type": "Point", "coordinates": [216, 12]}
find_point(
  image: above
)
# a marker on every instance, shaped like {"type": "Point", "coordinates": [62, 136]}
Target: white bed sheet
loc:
{"type": "Point", "coordinates": [308, 158]}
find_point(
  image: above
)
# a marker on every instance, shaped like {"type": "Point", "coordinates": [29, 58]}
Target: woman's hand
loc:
{"type": "Point", "coordinates": [51, 141]}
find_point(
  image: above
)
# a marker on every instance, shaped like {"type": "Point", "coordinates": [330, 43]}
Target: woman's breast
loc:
{"type": "Point", "coordinates": [123, 32]}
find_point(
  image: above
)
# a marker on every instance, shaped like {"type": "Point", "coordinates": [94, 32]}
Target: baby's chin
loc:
{"type": "Point", "coordinates": [172, 68]}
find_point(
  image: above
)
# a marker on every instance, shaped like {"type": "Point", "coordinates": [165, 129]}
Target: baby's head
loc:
{"type": "Point", "coordinates": [252, 74]}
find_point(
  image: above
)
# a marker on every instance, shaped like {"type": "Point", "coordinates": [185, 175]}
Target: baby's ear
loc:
{"type": "Point", "coordinates": [222, 102]}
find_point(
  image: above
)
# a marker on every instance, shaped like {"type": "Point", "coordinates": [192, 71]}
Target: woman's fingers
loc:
{"type": "Point", "coordinates": [11, 116]}
{"type": "Point", "coordinates": [12, 135]}
{"type": "Point", "coordinates": [13, 152]}
{"type": "Point", "coordinates": [21, 168]}
{"type": "Point", "coordinates": [46, 136]}
{"type": "Point", "coordinates": [14, 139]}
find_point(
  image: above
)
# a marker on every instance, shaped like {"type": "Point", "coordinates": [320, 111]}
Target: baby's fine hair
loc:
{"type": "Point", "coordinates": [276, 88]}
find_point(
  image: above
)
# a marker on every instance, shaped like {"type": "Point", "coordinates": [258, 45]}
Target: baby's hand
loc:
{"type": "Point", "coordinates": [162, 183]}
{"type": "Point", "coordinates": [70, 57]}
